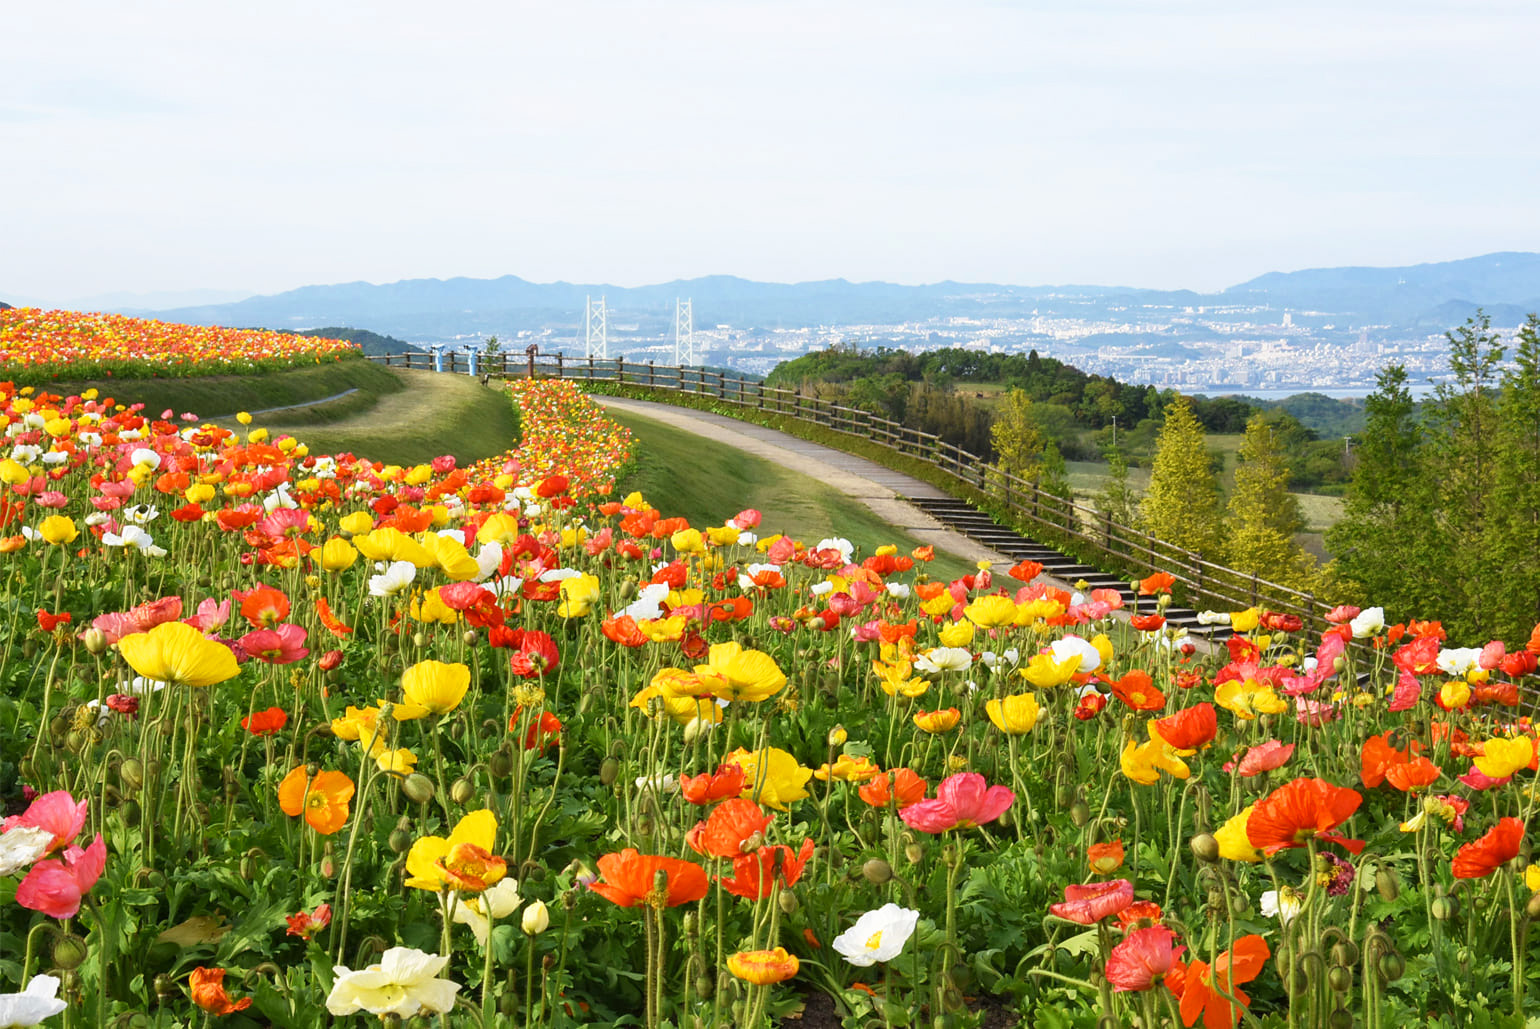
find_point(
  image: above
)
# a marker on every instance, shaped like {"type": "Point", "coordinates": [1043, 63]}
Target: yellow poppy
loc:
{"type": "Point", "coordinates": [337, 554]}
{"type": "Point", "coordinates": [579, 594]}
{"type": "Point", "coordinates": [1501, 758]}
{"type": "Point", "coordinates": [1234, 844]}
{"type": "Point", "coordinates": [957, 634]}
{"type": "Point", "coordinates": [451, 557]}
{"type": "Point", "coordinates": [1044, 670]}
{"type": "Point", "coordinates": [57, 529]}
{"type": "Point", "coordinates": [1248, 699]}
{"type": "Point", "coordinates": [746, 674]}
{"type": "Point", "coordinates": [771, 776]}
{"type": "Point", "coordinates": [991, 612]}
{"type": "Point", "coordinates": [425, 861]}
{"type": "Point", "coordinates": [1015, 714]}
{"type": "Point", "coordinates": [432, 687]}
{"type": "Point", "coordinates": [176, 652]}
{"type": "Point", "coordinates": [938, 722]}
{"type": "Point", "coordinates": [1143, 762]}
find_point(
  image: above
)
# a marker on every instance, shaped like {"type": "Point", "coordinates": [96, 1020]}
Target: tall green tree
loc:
{"type": "Point", "coordinates": [1262, 516]}
{"type": "Point", "coordinates": [1387, 544]}
{"type": "Point", "coordinates": [1463, 445]}
{"type": "Point", "coordinates": [1181, 505]}
{"type": "Point", "coordinates": [1513, 537]}
{"type": "Point", "coordinates": [1117, 498]}
{"type": "Point", "coordinates": [1016, 437]}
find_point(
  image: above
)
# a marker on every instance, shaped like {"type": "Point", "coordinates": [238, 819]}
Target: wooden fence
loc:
{"type": "Point", "coordinates": [1098, 539]}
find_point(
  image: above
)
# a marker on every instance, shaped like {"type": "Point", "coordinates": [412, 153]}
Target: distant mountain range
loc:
{"type": "Point", "coordinates": [1424, 297]}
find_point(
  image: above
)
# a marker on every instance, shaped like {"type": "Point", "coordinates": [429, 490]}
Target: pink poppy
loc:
{"type": "Point", "coordinates": [1092, 902]}
{"type": "Point", "coordinates": [55, 887]}
{"type": "Point", "coordinates": [211, 615]}
{"type": "Point", "coordinates": [52, 498]}
{"type": "Point", "coordinates": [1315, 712]}
{"type": "Point", "coordinates": [962, 801]}
{"type": "Point", "coordinates": [462, 596]}
{"type": "Point", "coordinates": [1342, 613]}
{"type": "Point", "coordinates": [1264, 757]}
{"type": "Point", "coordinates": [281, 646]}
{"type": "Point", "coordinates": [1408, 691]}
{"type": "Point", "coordinates": [56, 812]}
{"type": "Point", "coordinates": [1476, 779]}
{"type": "Point", "coordinates": [1143, 958]}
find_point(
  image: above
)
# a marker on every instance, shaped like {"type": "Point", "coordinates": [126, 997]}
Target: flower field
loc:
{"type": "Point", "coordinates": [37, 346]}
{"type": "Point", "coordinates": [288, 738]}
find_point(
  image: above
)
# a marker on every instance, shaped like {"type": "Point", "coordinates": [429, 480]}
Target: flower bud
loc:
{"type": "Point", "coordinates": [131, 773]}
{"type": "Point", "coordinates": [1385, 882]}
{"type": "Point", "coordinates": [418, 788]}
{"type": "Point", "coordinates": [609, 768]}
{"type": "Point", "coordinates": [500, 764]}
{"type": "Point", "coordinates": [329, 660]}
{"type": "Point", "coordinates": [418, 641]}
{"type": "Point", "coordinates": [1532, 909]}
{"type": "Point", "coordinates": [95, 640]}
{"type": "Point", "coordinates": [1342, 1018]}
{"type": "Point", "coordinates": [788, 901]}
{"type": "Point", "coordinates": [461, 791]}
{"type": "Point", "coordinates": [1392, 966]}
{"type": "Point", "coordinates": [1340, 978]}
{"type": "Point", "coordinates": [1079, 813]}
{"type": "Point", "coordinates": [1205, 848]}
{"type": "Point", "coordinates": [1445, 908]}
{"type": "Point", "coordinates": [69, 952]}
{"type": "Point", "coordinates": [536, 919]}
{"type": "Point", "coordinates": [877, 871]}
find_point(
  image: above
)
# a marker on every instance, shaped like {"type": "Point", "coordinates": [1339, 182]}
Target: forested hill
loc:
{"type": "Point", "coordinates": [372, 343]}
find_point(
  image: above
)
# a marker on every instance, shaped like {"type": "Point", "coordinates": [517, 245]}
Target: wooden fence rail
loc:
{"type": "Point", "coordinates": [1048, 517]}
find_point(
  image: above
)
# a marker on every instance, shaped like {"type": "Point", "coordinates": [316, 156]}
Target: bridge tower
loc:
{"type": "Point", "coordinates": [684, 332]}
{"type": "Point", "coordinates": [596, 323]}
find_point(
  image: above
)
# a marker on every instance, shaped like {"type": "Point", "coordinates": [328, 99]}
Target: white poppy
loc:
{"type": "Point", "coordinates": [500, 900]}
{"type": "Point", "coordinates": [877, 935]}
{"type": "Point", "coordinates": [1368, 622]}
{"type": "Point", "coordinates": [403, 983]}
{"type": "Point", "coordinates": [38, 1001]}
{"type": "Point", "coordinates": [22, 846]}
{"type": "Point", "coordinates": [1090, 657]}
{"type": "Point", "coordinates": [398, 576]}
{"type": "Point", "coordinates": [943, 659]}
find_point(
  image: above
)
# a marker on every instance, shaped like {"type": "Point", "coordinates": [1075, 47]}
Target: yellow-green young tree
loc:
{"type": "Point", "coordinates": [1513, 536]}
{"type": "Point", "coordinates": [1017, 439]}
{"type": "Point", "coordinates": [1262, 515]}
{"type": "Point", "coordinates": [1181, 505]}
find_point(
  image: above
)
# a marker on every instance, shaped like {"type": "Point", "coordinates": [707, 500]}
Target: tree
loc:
{"type": "Point", "coordinates": [1117, 499]}
{"type": "Point", "coordinates": [1018, 441]}
{"type": "Point", "coordinates": [1514, 530]}
{"type": "Point", "coordinates": [1181, 505]}
{"type": "Point", "coordinates": [1387, 541]}
{"type": "Point", "coordinates": [1262, 516]}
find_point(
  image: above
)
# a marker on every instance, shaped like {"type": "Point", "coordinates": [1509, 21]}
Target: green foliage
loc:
{"type": "Point", "coordinates": [1262, 516]}
{"type": "Point", "coordinates": [1513, 537]}
{"type": "Point", "coordinates": [1018, 442]}
{"type": "Point", "coordinates": [1181, 505]}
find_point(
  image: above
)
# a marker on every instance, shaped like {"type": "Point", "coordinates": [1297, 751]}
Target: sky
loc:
{"type": "Point", "coordinates": [160, 147]}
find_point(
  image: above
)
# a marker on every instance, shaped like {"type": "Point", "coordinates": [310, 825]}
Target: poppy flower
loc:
{"type": "Point", "coordinates": [56, 886]}
{"type": "Point", "coordinates": [1105, 858]}
{"type": "Point", "coordinates": [1501, 758]}
{"type": "Point", "coordinates": [333, 624]}
{"type": "Point", "coordinates": [1297, 811]}
{"type": "Point", "coordinates": [264, 606]}
{"type": "Point", "coordinates": [1160, 582]}
{"type": "Point", "coordinates": [628, 879]}
{"type": "Point", "coordinates": [1480, 858]}
{"type": "Point", "coordinates": [1189, 728]}
{"type": "Point", "coordinates": [534, 655]}
{"type": "Point", "coordinates": [1204, 987]}
{"type": "Point", "coordinates": [962, 801]}
{"type": "Point", "coordinates": [1089, 903]}
{"type": "Point", "coordinates": [56, 813]}
{"type": "Point", "coordinates": [1147, 623]}
{"type": "Point", "coordinates": [403, 982]}
{"type": "Point", "coordinates": [743, 674]}
{"type": "Point", "coordinates": [878, 935]}
{"type": "Point", "coordinates": [763, 967]}
{"type": "Point", "coordinates": [1412, 775]}
{"type": "Point", "coordinates": [323, 800]}
{"type": "Point", "coordinates": [306, 924]}
{"type": "Point", "coordinates": [847, 769]}
{"type": "Point", "coordinates": [1143, 959]}
{"type": "Point", "coordinates": [938, 722]}
{"type": "Point", "coordinates": [1137, 690]}
{"type": "Point", "coordinates": [176, 652]}
{"type": "Point", "coordinates": [709, 787]}
{"type": "Point", "coordinates": [623, 629]}
{"type": "Point", "coordinates": [1263, 757]}
{"type": "Point", "coordinates": [730, 825]}
{"type": "Point", "coordinates": [901, 786]}
{"type": "Point", "coordinates": [48, 621]}
{"type": "Point", "coordinates": [772, 776]}
{"type": "Point", "coordinates": [281, 646]}
{"type": "Point", "coordinates": [265, 723]}
{"type": "Point", "coordinates": [432, 687]}
{"type": "Point", "coordinates": [755, 873]}
{"type": "Point", "coordinates": [540, 733]}
{"type": "Point", "coordinates": [1014, 715]}
{"type": "Point", "coordinates": [208, 992]}
{"type": "Point", "coordinates": [463, 862]}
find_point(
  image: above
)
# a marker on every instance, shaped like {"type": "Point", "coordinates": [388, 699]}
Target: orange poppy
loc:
{"type": "Point", "coordinates": [1412, 775]}
{"type": "Point", "coordinates": [627, 879]}
{"type": "Point", "coordinates": [1026, 571]}
{"type": "Point", "coordinates": [1480, 858]}
{"type": "Point", "coordinates": [1137, 690]}
{"type": "Point", "coordinates": [334, 625]}
{"type": "Point", "coordinates": [1240, 964]}
{"type": "Point", "coordinates": [208, 992]}
{"type": "Point", "coordinates": [469, 868]}
{"type": "Point", "coordinates": [1160, 582]}
{"type": "Point", "coordinates": [754, 874]}
{"type": "Point", "coordinates": [1105, 858]}
{"type": "Point", "coordinates": [731, 825]}
{"type": "Point", "coordinates": [265, 723]}
{"type": "Point", "coordinates": [1377, 757]}
{"type": "Point", "coordinates": [709, 787]}
{"type": "Point", "coordinates": [1299, 810]}
{"type": "Point", "coordinates": [763, 967]}
{"type": "Point", "coordinates": [1189, 728]}
{"type": "Point", "coordinates": [264, 606]}
{"type": "Point", "coordinates": [938, 722]}
{"type": "Point", "coordinates": [901, 785]}
{"type": "Point", "coordinates": [323, 800]}
{"type": "Point", "coordinates": [1147, 623]}
{"type": "Point", "coordinates": [623, 629]}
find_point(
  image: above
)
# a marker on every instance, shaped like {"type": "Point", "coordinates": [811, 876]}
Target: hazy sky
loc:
{"type": "Point", "coordinates": [167, 146]}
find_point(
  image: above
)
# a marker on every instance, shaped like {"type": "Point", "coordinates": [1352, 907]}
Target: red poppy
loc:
{"type": "Point", "coordinates": [901, 784]}
{"type": "Point", "coordinates": [709, 787]}
{"type": "Point", "coordinates": [1090, 706]}
{"type": "Point", "coordinates": [627, 879]}
{"type": "Point", "coordinates": [1139, 914]}
{"type": "Point", "coordinates": [1272, 621]}
{"type": "Point", "coordinates": [1026, 571]}
{"type": "Point", "coordinates": [1189, 728]}
{"type": "Point", "coordinates": [1299, 810]}
{"type": "Point", "coordinates": [265, 723]}
{"type": "Point", "coordinates": [535, 653]}
{"type": "Point", "coordinates": [731, 825]}
{"type": "Point", "coordinates": [48, 622]}
{"type": "Point", "coordinates": [1147, 623]}
{"type": "Point", "coordinates": [1089, 903]}
{"type": "Point", "coordinates": [754, 874]}
{"type": "Point", "coordinates": [540, 733]}
{"type": "Point", "coordinates": [1480, 858]}
{"type": "Point", "coordinates": [307, 924]}
{"type": "Point", "coordinates": [1204, 988]}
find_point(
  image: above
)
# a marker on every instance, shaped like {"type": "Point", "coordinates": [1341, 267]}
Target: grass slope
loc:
{"type": "Point", "coordinates": [708, 482]}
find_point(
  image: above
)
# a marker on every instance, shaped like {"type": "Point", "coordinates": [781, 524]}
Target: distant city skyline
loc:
{"type": "Point", "coordinates": [178, 146]}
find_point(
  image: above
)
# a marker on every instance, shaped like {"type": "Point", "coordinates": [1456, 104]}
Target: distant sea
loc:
{"type": "Point", "coordinates": [1418, 390]}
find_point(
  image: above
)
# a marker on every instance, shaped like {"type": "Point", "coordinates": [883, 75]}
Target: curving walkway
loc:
{"type": "Point", "coordinates": [883, 490]}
